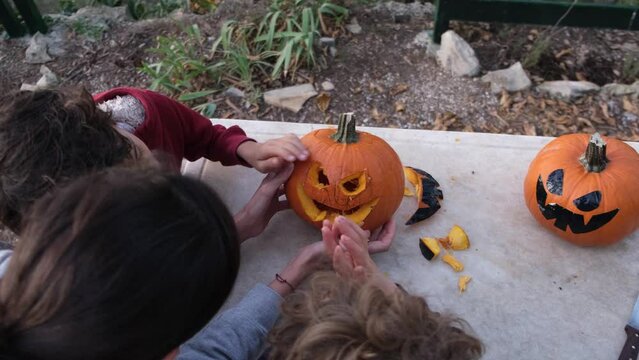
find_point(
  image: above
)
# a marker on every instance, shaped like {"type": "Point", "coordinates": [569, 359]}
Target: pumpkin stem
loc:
{"type": "Point", "coordinates": [346, 132]}
{"type": "Point", "coordinates": [594, 160]}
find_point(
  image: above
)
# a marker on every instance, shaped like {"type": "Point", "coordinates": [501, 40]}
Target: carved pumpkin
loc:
{"type": "Point", "coordinates": [350, 173]}
{"type": "Point", "coordinates": [585, 190]}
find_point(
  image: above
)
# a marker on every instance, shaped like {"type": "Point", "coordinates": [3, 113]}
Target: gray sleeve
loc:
{"type": "Point", "coordinates": [238, 333]}
{"type": "Point", "coordinates": [5, 256]}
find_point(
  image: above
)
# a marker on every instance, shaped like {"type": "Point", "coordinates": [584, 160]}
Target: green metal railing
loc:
{"type": "Point", "coordinates": [31, 18]}
{"type": "Point", "coordinates": [538, 12]}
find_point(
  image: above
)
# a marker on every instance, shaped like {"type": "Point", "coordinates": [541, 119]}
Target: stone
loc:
{"type": "Point", "coordinates": [354, 27]}
{"type": "Point", "coordinates": [327, 42]}
{"type": "Point", "coordinates": [568, 90]}
{"type": "Point", "coordinates": [511, 79]}
{"type": "Point", "coordinates": [615, 89]}
{"type": "Point", "coordinates": [102, 16]}
{"type": "Point", "coordinates": [48, 79]}
{"type": "Point", "coordinates": [234, 93]}
{"type": "Point", "coordinates": [328, 86]}
{"type": "Point", "coordinates": [37, 51]}
{"type": "Point", "coordinates": [424, 39]}
{"type": "Point", "coordinates": [457, 56]}
{"type": "Point", "coordinates": [404, 12]}
{"type": "Point", "coordinates": [291, 98]}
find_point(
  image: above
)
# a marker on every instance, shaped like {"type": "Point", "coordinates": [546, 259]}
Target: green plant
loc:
{"type": "Point", "coordinates": [86, 28]}
{"type": "Point", "coordinates": [184, 69]}
{"type": "Point", "coordinates": [540, 47]}
{"type": "Point", "coordinates": [630, 70]}
{"type": "Point", "coordinates": [245, 54]}
{"type": "Point", "coordinates": [139, 9]}
{"type": "Point", "coordinates": [68, 7]}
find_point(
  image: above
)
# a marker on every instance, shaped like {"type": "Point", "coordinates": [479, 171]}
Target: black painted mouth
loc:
{"type": "Point", "coordinates": [565, 219]}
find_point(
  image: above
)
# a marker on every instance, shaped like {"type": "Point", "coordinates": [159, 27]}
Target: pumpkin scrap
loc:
{"type": "Point", "coordinates": [454, 263]}
{"type": "Point", "coordinates": [458, 239]}
{"type": "Point", "coordinates": [429, 247]}
{"type": "Point", "coordinates": [408, 192]}
{"type": "Point", "coordinates": [463, 282]}
{"type": "Point", "coordinates": [427, 192]}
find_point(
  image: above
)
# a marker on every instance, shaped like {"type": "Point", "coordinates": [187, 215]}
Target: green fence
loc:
{"type": "Point", "coordinates": [621, 15]}
{"type": "Point", "coordinates": [29, 18]}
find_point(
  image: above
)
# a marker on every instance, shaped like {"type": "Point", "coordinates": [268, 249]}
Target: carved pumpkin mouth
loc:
{"type": "Point", "coordinates": [565, 218]}
{"type": "Point", "coordinates": [318, 211]}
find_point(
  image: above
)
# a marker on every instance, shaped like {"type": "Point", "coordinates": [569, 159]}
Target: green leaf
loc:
{"type": "Point", "coordinates": [207, 109]}
{"type": "Point", "coordinates": [195, 95]}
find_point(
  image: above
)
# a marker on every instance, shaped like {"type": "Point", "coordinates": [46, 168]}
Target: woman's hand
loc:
{"type": "Point", "coordinates": [265, 203]}
{"type": "Point", "coordinates": [273, 154]}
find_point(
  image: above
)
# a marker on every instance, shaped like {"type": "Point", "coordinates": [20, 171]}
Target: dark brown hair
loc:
{"type": "Point", "coordinates": [48, 137]}
{"type": "Point", "coordinates": [338, 319]}
{"type": "Point", "coordinates": [119, 265]}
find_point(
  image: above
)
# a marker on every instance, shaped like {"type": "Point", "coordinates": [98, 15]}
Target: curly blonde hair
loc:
{"type": "Point", "coordinates": [341, 319]}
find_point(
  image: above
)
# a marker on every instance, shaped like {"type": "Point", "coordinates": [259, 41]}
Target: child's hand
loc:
{"type": "Point", "coordinates": [273, 154]}
{"type": "Point", "coordinates": [380, 241]}
{"type": "Point", "coordinates": [257, 213]}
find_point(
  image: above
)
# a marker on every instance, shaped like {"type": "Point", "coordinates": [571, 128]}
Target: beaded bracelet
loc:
{"type": "Point", "coordinates": [283, 281]}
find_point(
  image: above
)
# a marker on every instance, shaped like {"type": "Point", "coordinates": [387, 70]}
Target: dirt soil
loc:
{"type": "Point", "coordinates": [381, 75]}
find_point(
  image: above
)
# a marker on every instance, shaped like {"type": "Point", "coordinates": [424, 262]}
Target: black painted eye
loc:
{"type": "Point", "coordinates": [555, 182]}
{"type": "Point", "coordinates": [588, 202]}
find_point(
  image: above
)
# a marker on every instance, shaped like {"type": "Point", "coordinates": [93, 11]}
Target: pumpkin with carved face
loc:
{"type": "Point", "coordinates": [585, 189]}
{"type": "Point", "coordinates": [349, 173]}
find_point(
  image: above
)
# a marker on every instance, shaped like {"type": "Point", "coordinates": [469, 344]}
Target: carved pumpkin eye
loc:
{"type": "Point", "coordinates": [588, 202]}
{"type": "Point", "coordinates": [353, 184]}
{"type": "Point", "coordinates": [317, 177]}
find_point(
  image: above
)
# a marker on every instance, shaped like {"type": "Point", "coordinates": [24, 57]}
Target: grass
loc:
{"type": "Point", "coordinates": [247, 54]}
{"type": "Point", "coordinates": [85, 28]}
{"type": "Point", "coordinates": [630, 69]}
{"type": "Point", "coordinates": [540, 47]}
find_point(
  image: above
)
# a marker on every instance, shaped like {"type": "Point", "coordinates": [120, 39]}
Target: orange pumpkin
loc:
{"type": "Point", "coordinates": [585, 189]}
{"type": "Point", "coordinates": [350, 173]}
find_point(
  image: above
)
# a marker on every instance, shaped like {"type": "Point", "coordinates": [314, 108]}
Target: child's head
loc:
{"type": "Point", "coordinates": [341, 319]}
{"type": "Point", "coordinates": [118, 265]}
{"type": "Point", "coordinates": [48, 137]}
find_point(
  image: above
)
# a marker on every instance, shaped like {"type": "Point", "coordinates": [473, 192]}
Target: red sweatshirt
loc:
{"type": "Point", "coordinates": [179, 131]}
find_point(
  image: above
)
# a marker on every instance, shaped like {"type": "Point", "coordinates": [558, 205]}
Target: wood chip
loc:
{"type": "Point", "coordinates": [398, 89]}
{"type": "Point", "coordinates": [375, 87]}
{"type": "Point", "coordinates": [529, 129]}
{"type": "Point", "coordinates": [323, 101]}
{"type": "Point", "coordinates": [629, 106]}
{"type": "Point", "coordinates": [400, 106]}
{"type": "Point", "coordinates": [563, 53]}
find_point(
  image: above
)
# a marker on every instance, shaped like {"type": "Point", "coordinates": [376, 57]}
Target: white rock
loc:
{"type": "Point", "coordinates": [48, 79]}
{"type": "Point", "coordinates": [37, 51]}
{"type": "Point", "coordinates": [354, 27]}
{"type": "Point", "coordinates": [511, 79]}
{"type": "Point", "coordinates": [28, 87]}
{"type": "Point", "coordinates": [327, 41]}
{"type": "Point", "coordinates": [615, 89]}
{"type": "Point", "coordinates": [424, 39]}
{"type": "Point", "coordinates": [291, 98]}
{"type": "Point", "coordinates": [568, 89]}
{"type": "Point", "coordinates": [457, 56]}
{"type": "Point", "coordinates": [328, 86]}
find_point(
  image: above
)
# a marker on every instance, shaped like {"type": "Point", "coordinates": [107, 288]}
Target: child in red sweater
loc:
{"type": "Point", "coordinates": [52, 136]}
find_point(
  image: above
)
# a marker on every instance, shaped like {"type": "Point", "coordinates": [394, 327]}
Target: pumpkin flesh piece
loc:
{"type": "Point", "coordinates": [463, 283]}
{"type": "Point", "coordinates": [458, 239]}
{"type": "Point", "coordinates": [454, 263]}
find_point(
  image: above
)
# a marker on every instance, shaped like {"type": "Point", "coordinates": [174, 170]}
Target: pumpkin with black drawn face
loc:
{"type": "Point", "coordinates": [350, 173]}
{"type": "Point", "coordinates": [585, 189]}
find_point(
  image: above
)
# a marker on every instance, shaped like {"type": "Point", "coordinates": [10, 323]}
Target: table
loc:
{"type": "Point", "coordinates": [533, 296]}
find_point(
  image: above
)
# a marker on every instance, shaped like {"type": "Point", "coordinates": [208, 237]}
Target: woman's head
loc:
{"type": "Point", "coordinates": [48, 137]}
{"type": "Point", "coordinates": [339, 319]}
{"type": "Point", "coordinates": [117, 265]}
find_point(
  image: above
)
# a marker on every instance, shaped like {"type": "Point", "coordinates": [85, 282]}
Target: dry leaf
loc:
{"type": "Point", "coordinates": [323, 100]}
{"type": "Point", "coordinates": [563, 53]}
{"type": "Point", "coordinates": [356, 90]}
{"type": "Point", "coordinates": [375, 87]}
{"type": "Point", "coordinates": [468, 128]}
{"type": "Point", "coordinates": [376, 115]}
{"type": "Point", "coordinates": [399, 106]}
{"type": "Point", "coordinates": [529, 129]}
{"type": "Point", "coordinates": [505, 100]}
{"type": "Point", "coordinates": [398, 89]}
{"type": "Point", "coordinates": [580, 76]}
{"type": "Point", "coordinates": [629, 106]}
